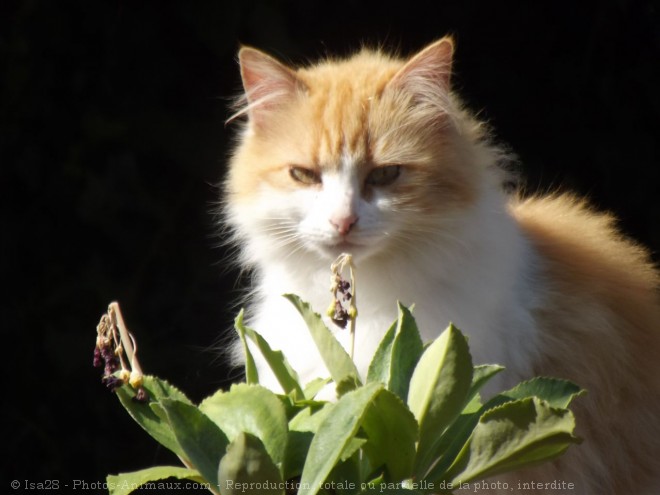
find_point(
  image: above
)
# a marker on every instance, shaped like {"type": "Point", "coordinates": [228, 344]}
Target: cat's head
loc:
{"type": "Point", "coordinates": [360, 155]}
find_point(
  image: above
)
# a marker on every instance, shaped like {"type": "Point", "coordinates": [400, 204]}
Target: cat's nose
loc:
{"type": "Point", "coordinates": [343, 224]}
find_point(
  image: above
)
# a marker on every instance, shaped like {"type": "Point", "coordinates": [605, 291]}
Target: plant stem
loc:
{"type": "Point", "coordinates": [127, 340]}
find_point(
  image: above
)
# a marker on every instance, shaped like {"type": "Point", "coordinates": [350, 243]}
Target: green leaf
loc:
{"type": "Point", "coordinates": [516, 434]}
{"type": "Point", "coordinates": [202, 441]}
{"type": "Point", "coordinates": [302, 428]}
{"type": "Point", "coordinates": [335, 358]}
{"type": "Point", "coordinates": [348, 383]}
{"type": "Point", "coordinates": [314, 387]}
{"type": "Point", "coordinates": [251, 409]}
{"type": "Point", "coordinates": [297, 446]}
{"type": "Point", "coordinates": [284, 373]}
{"type": "Point", "coordinates": [392, 432]}
{"type": "Point", "coordinates": [344, 479]}
{"type": "Point", "coordinates": [125, 483]}
{"type": "Point", "coordinates": [558, 393]}
{"type": "Point", "coordinates": [247, 465]}
{"type": "Point", "coordinates": [381, 364]}
{"type": "Point", "coordinates": [450, 444]}
{"type": "Point", "coordinates": [334, 435]}
{"type": "Point", "coordinates": [251, 373]}
{"type": "Point", "coordinates": [481, 375]}
{"type": "Point", "coordinates": [438, 391]}
{"type": "Point", "coordinates": [142, 412]}
{"type": "Point", "coordinates": [309, 419]}
{"type": "Point", "coordinates": [352, 447]}
{"type": "Point", "coordinates": [397, 355]}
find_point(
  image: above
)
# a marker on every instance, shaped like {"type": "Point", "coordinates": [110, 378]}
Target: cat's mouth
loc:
{"type": "Point", "coordinates": [345, 245]}
{"type": "Point", "coordinates": [357, 244]}
{"type": "Point", "coordinates": [342, 245]}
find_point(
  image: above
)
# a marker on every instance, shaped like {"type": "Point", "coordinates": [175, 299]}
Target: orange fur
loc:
{"type": "Point", "coordinates": [600, 328]}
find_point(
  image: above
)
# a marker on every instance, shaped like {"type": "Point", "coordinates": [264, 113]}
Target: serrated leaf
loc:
{"type": "Point", "coordinates": [392, 432]}
{"type": "Point", "coordinates": [154, 424]}
{"type": "Point", "coordinates": [202, 441]}
{"type": "Point", "coordinates": [334, 356]}
{"type": "Point", "coordinates": [252, 409]}
{"type": "Point", "coordinates": [247, 465]}
{"type": "Point", "coordinates": [333, 436]}
{"type": "Point", "coordinates": [125, 483]}
{"type": "Point", "coordinates": [251, 373]}
{"type": "Point", "coordinates": [438, 391]}
{"type": "Point", "coordinates": [397, 354]}
{"type": "Point", "coordinates": [556, 392]}
{"type": "Point", "coordinates": [516, 434]}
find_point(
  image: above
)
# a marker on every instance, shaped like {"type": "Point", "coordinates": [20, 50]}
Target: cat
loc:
{"type": "Point", "coordinates": [375, 155]}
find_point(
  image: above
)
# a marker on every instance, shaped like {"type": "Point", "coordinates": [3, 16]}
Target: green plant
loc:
{"type": "Point", "coordinates": [416, 425]}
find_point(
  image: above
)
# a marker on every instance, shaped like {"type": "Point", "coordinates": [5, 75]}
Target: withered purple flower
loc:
{"type": "Point", "coordinates": [113, 342]}
{"type": "Point", "coordinates": [340, 315]}
{"type": "Point", "coordinates": [98, 358]}
{"type": "Point", "coordinates": [112, 382]}
{"type": "Point", "coordinates": [342, 309]}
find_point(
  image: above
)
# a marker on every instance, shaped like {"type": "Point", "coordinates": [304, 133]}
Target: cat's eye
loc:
{"type": "Point", "coordinates": [383, 176]}
{"type": "Point", "coordinates": [304, 175]}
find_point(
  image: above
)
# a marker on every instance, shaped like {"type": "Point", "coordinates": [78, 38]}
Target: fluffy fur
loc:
{"type": "Point", "coordinates": [545, 286]}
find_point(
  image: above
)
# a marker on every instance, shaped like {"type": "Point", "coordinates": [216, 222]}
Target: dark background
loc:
{"type": "Point", "coordinates": [113, 144]}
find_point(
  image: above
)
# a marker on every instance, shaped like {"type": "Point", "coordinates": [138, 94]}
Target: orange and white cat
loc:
{"type": "Point", "coordinates": [376, 156]}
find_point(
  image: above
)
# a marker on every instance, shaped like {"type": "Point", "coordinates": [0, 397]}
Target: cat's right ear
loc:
{"type": "Point", "coordinates": [267, 84]}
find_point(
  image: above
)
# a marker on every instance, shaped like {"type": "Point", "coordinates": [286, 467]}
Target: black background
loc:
{"type": "Point", "coordinates": [113, 146]}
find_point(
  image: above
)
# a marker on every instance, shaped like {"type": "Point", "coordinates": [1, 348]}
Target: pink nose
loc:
{"type": "Point", "coordinates": [343, 224]}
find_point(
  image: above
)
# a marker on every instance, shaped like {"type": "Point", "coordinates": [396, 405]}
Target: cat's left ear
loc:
{"type": "Point", "coordinates": [267, 83]}
{"type": "Point", "coordinates": [427, 74]}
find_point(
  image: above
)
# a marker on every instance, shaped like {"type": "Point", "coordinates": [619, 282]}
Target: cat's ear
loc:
{"type": "Point", "coordinates": [267, 84]}
{"type": "Point", "coordinates": [427, 74]}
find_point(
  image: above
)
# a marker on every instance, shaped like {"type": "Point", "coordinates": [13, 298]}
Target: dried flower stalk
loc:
{"type": "Point", "coordinates": [344, 294]}
{"type": "Point", "coordinates": [115, 348]}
